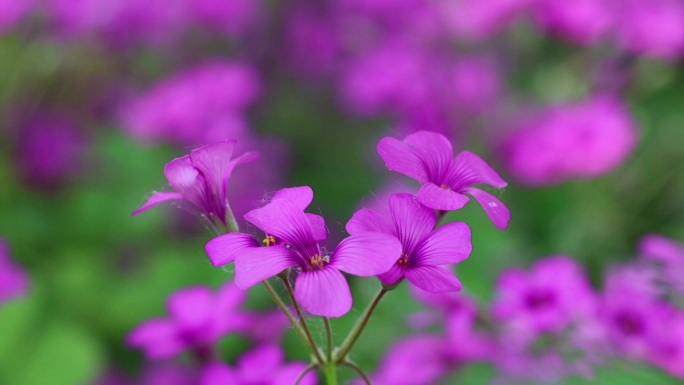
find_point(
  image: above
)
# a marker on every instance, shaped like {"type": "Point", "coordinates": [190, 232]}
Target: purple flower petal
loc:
{"type": "Point", "coordinates": [433, 279]}
{"type": "Point", "coordinates": [218, 374]}
{"type": "Point", "coordinates": [366, 220]}
{"type": "Point", "coordinates": [323, 292]}
{"type": "Point", "coordinates": [260, 263]}
{"type": "Point", "coordinates": [157, 337]}
{"type": "Point", "coordinates": [401, 158]}
{"type": "Point", "coordinates": [191, 307]}
{"type": "Point", "coordinates": [497, 211]}
{"type": "Point", "coordinates": [367, 254]}
{"type": "Point", "coordinates": [284, 220]}
{"type": "Point", "coordinates": [258, 365]}
{"type": "Point", "coordinates": [438, 198]}
{"type": "Point", "coordinates": [212, 160]}
{"type": "Point", "coordinates": [225, 248]}
{"type": "Point", "coordinates": [435, 152]}
{"type": "Point", "coordinates": [468, 168]}
{"type": "Point", "coordinates": [447, 244]}
{"type": "Point", "coordinates": [394, 274]}
{"type": "Point", "coordinates": [412, 220]}
{"type": "Point", "coordinates": [300, 196]}
{"type": "Point", "coordinates": [185, 179]}
{"type": "Point", "coordinates": [157, 198]}
{"type": "Point", "coordinates": [320, 232]}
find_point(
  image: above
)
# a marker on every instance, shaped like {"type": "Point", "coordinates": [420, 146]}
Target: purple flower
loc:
{"type": "Point", "coordinates": [13, 280]}
{"type": "Point", "coordinates": [428, 158]}
{"type": "Point", "coordinates": [202, 104]}
{"type": "Point", "coordinates": [50, 150]}
{"type": "Point", "coordinates": [580, 21]}
{"type": "Point", "coordinates": [201, 178]}
{"type": "Point", "coordinates": [12, 11]}
{"type": "Point", "coordinates": [291, 242]}
{"type": "Point", "coordinates": [260, 366]}
{"type": "Point", "coordinates": [233, 17]}
{"type": "Point", "coordinates": [581, 140]}
{"type": "Point", "coordinates": [670, 254]}
{"type": "Point", "coordinates": [425, 251]}
{"type": "Point", "coordinates": [548, 298]}
{"type": "Point", "coordinates": [199, 317]}
{"type": "Point", "coordinates": [667, 347]}
{"type": "Point", "coordinates": [414, 360]}
{"type": "Point", "coordinates": [654, 27]}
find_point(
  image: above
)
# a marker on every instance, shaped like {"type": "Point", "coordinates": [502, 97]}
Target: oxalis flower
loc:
{"type": "Point", "coordinates": [425, 250]}
{"type": "Point", "coordinates": [201, 178]}
{"type": "Point", "coordinates": [291, 242]}
{"type": "Point", "coordinates": [428, 158]}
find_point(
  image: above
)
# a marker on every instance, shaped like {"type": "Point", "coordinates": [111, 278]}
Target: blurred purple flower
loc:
{"type": "Point", "coordinates": [415, 360]}
{"type": "Point", "coordinates": [582, 140]}
{"type": "Point", "coordinates": [198, 319]}
{"type": "Point", "coordinates": [14, 282]}
{"type": "Point", "coordinates": [233, 18]}
{"type": "Point", "coordinates": [580, 21]}
{"type": "Point", "coordinates": [481, 19]}
{"type": "Point", "coordinates": [157, 373]}
{"type": "Point", "coordinates": [667, 347]}
{"type": "Point", "coordinates": [426, 251]}
{"type": "Point", "coordinates": [475, 84]}
{"type": "Point", "coordinates": [313, 48]}
{"type": "Point", "coordinates": [428, 158]}
{"type": "Point", "coordinates": [50, 150]}
{"type": "Point", "coordinates": [200, 105]}
{"type": "Point", "coordinates": [654, 27]}
{"type": "Point", "coordinates": [260, 366]}
{"type": "Point", "coordinates": [670, 254]}
{"type": "Point", "coordinates": [12, 11]}
{"type": "Point", "coordinates": [292, 242]}
{"type": "Point", "coordinates": [554, 293]}
{"type": "Point", "coordinates": [201, 178]}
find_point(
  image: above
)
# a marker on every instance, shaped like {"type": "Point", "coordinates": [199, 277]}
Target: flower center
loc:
{"type": "Point", "coordinates": [445, 187]}
{"type": "Point", "coordinates": [403, 261]}
{"type": "Point", "coordinates": [269, 240]}
{"type": "Point", "coordinates": [317, 262]}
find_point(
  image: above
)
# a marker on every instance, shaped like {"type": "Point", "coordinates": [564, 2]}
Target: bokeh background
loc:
{"type": "Point", "coordinates": [578, 105]}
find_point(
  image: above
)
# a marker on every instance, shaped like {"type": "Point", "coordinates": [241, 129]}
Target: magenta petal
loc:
{"type": "Point", "coordinates": [225, 248]}
{"type": "Point", "coordinates": [394, 274]}
{"type": "Point", "coordinates": [157, 198]}
{"type": "Point", "coordinates": [191, 307]}
{"type": "Point", "coordinates": [320, 232]}
{"type": "Point", "coordinates": [218, 374]}
{"type": "Point", "coordinates": [447, 244]}
{"type": "Point", "coordinates": [433, 279]}
{"type": "Point", "coordinates": [468, 168]}
{"type": "Point", "coordinates": [438, 198]}
{"type": "Point", "coordinates": [186, 180]}
{"type": "Point", "coordinates": [435, 152]}
{"type": "Point", "coordinates": [323, 292]}
{"type": "Point", "coordinates": [497, 211]}
{"type": "Point", "coordinates": [211, 160]}
{"type": "Point", "coordinates": [367, 254]}
{"type": "Point", "coordinates": [284, 220]}
{"type": "Point", "coordinates": [412, 220]}
{"type": "Point", "coordinates": [261, 263]}
{"type": "Point", "coordinates": [661, 249]}
{"type": "Point", "coordinates": [366, 220]}
{"type": "Point", "coordinates": [401, 158]}
{"type": "Point", "coordinates": [300, 196]}
{"type": "Point", "coordinates": [258, 365]}
{"type": "Point", "coordinates": [157, 337]}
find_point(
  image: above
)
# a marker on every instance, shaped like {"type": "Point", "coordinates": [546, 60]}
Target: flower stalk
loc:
{"type": "Point", "coordinates": [355, 333]}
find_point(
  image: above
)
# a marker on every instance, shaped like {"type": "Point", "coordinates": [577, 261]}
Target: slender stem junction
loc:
{"type": "Point", "coordinates": [329, 339]}
{"type": "Point", "coordinates": [355, 333]}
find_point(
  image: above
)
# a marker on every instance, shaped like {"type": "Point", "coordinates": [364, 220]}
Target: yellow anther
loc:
{"type": "Point", "coordinates": [317, 262]}
{"type": "Point", "coordinates": [403, 261]}
{"type": "Point", "coordinates": [269, 241]}
{"type": "Point", "coordinates": [445, 187]}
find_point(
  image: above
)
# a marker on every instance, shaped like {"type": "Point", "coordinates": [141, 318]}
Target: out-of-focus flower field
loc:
{"type": "Point", "coordinates": [577, 105]}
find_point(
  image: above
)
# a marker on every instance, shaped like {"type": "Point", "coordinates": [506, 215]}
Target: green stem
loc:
{"type": "Point", "coordinates": [328, 335]}
{"type": "Point", "coordinates": [288, 314]}
{"type": "Point", "coordinates": [305, 326]}
{"type": "Point", "coordinates": [331, 373]}
{"type": "Point", "coordinates": [306, 370]}
{"type": "Point", "coordinates": [355, 333]}
{"type": "Point", "coordinates": [359, 371]}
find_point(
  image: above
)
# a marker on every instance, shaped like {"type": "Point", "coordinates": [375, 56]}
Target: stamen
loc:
{"type": "Point", "coordinates": [403, 261]}
{"type": "Point", "coordinates": [445, 187]}
{"type": "Point", "coordinates": [269, 241]}
{"type": "Point", "coordinates": [317, 262]}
